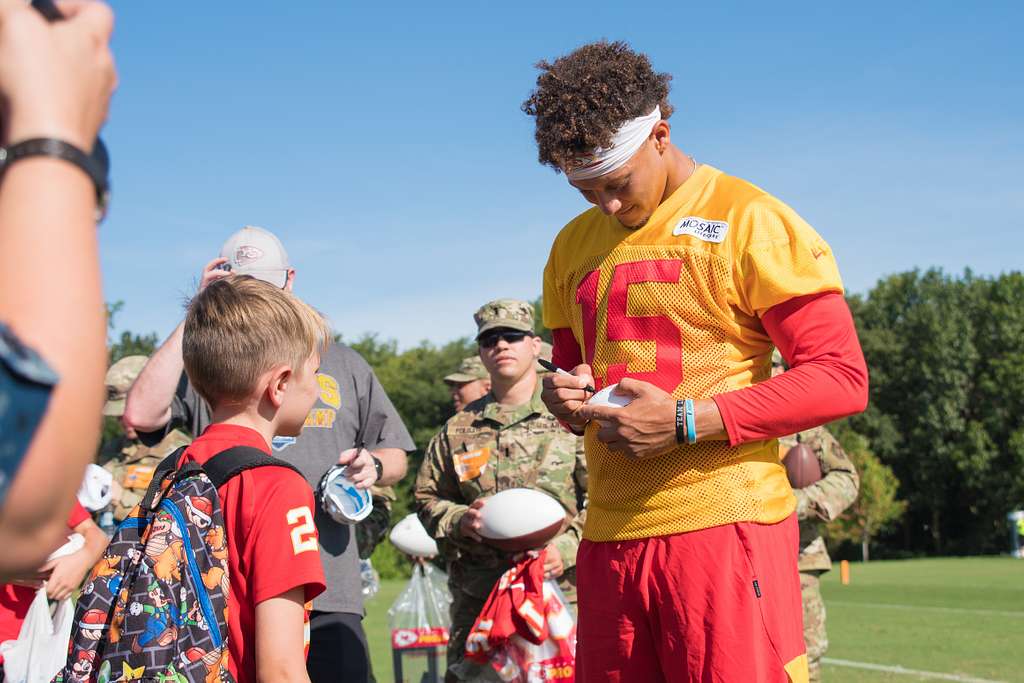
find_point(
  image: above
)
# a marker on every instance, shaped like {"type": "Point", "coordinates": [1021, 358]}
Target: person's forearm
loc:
{"type": "Point", "coordinates": [440, 517]}
{"type": "Point", "coordinates": [828, 378]}
{"type": "Point", "coordinates": [27, 538]}
{"type": "Point", "coordinates": [148, 404]}
{"type": "Point", "coordinates": [278, 641]}
{"type": "Point", "coordinates": [50, 296]}
{"type": "Point", "coordinates": [831, 495]}
{"type": "Point", "coordinates": [394, 464]}
{"type": "Point", "coordinates": [707, 419]}
{"type": "Point", "coordinates": [95, 543]}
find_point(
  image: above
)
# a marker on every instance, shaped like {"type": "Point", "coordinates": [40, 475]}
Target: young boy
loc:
{"type": "Point", "coordinates": [252, 351]}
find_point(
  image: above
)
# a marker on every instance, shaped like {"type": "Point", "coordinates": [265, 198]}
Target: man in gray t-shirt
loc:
{"type": "Point", "coordinates": [351, 402]}
{"type": "Point", "coordinates": [352, 407]}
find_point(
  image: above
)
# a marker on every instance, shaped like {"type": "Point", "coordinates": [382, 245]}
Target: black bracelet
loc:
{"type": "Point", "coordinates": [378, 465]}
{"type": "Point", "coordinates": [680, 422]}
{"type": "Point", "coordinates": [58, 149]}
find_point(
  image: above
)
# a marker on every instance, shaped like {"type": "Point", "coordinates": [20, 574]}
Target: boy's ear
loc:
{"type": "Point", "coordinates": [277, 384]}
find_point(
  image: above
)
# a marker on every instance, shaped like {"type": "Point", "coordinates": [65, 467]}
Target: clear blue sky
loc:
{"type": "Point", "coordinates": [384, 144]}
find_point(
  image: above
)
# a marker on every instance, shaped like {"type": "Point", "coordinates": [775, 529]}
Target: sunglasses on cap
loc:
{"type": "Point", "coordinates": [491, 339]}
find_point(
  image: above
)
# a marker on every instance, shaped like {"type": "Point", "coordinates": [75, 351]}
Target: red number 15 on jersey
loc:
{"type": "Point", "coordinates": [620, 326]}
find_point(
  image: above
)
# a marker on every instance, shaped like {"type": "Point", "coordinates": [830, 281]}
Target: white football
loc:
{"type": "Point", "coordinates": [521, 519]}
{"type": "Point", "coordinates": [411, 538]}
{"type": "Point", "coordinates": [610, 398]}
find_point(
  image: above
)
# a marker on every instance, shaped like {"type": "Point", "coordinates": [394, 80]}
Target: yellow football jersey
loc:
{"type": "Point", "coordinates": [677, 303]}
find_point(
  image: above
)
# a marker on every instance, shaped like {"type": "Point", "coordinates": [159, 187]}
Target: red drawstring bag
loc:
{"type": "Point", "coordinates": [525, 630]}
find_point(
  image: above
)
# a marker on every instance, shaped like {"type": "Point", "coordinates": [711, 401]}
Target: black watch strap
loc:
{"type": "Point", "coordinates": [58, 149]}
{"type": "Point", "coordinates": [378, 465]}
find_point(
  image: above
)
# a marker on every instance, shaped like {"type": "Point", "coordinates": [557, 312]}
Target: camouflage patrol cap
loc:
{"type": "Point", "coordinates": [119, 380]}
{"type": "Point", "coordinates": [470, 369]}
{"type": "Point", "coordinates": [509, 314]}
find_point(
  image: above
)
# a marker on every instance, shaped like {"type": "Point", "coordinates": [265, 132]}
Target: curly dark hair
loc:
{"type": "Point", "coordinates": [584, 97]}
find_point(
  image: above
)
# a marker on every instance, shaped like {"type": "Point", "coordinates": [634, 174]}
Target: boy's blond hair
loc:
{"type": "Point", "coordinates": [240, 327]}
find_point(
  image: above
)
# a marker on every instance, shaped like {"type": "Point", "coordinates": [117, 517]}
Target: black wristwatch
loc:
{"type": "Point", "coordinates": [95, 166]}
{"type": "Point", "coordinates": [378, 465]}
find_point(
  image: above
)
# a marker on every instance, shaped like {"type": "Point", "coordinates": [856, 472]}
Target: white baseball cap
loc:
{"type": "Point", "coordinates": [257, 252]}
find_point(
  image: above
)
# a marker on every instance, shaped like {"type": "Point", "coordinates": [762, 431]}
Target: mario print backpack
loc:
{"type": "Point", "coordinates": [155, 605]}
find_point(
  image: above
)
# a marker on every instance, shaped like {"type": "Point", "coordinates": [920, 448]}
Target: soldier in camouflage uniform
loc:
{"type": "Point", "coordinates": [504, 440]}
{"type": "Point", "coordinates": [468, 383]}
{"type": "Point", "coordinates": [820, 502]}
{"type": "Point", "coordinates": [129, 461]}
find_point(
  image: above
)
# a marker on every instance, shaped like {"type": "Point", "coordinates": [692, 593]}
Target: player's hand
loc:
{"type": "Point", "coordinates": [66, 574]}
{"type": "Point", "coordinates": [643, 429]}
{"type": "Point", "coordinates": [359, 467]}
{"type": "Point", "coordinates": [472, 520]}
{"type": "Point", "coordinates": [213, 272]}
{"type": "Point", "coordinates": [56, 78]}
{"type": "Point", "coordinates": [564, 394]}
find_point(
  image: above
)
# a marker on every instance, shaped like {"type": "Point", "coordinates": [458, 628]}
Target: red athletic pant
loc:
{"type": "Point", "coordinates": [719, 604]}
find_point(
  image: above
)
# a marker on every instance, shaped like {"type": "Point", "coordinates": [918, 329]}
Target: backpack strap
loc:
{"type": "Point", "coordinates": [220, 469]}
{"type": "Point", "coordinates": [167, 467]}
{"type": "Point", "coordinates": [228, 464]}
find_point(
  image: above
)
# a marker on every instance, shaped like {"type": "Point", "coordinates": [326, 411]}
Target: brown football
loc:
{"type": "Point", "coordinates": [802, 466]}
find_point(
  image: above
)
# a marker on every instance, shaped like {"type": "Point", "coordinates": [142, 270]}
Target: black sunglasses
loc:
{"type": "Point", "coordinates": [491, 339]}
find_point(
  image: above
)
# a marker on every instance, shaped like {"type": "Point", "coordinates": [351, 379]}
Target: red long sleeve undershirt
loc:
{"type": "Point", "coordinates": [827, 379]}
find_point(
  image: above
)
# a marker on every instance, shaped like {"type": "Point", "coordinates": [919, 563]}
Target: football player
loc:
{"type": "Point", "coordinates": [677, 285]}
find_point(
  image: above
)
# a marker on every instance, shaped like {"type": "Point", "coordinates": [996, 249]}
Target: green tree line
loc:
{"type": "Point", "coordinates": [946, 414]}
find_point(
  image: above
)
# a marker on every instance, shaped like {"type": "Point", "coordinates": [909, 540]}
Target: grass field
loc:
{"type": "Point", "coordinates": [955, 619]}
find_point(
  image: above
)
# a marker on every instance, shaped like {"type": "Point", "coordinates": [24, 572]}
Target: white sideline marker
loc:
{"type": "Point", "coordinates": [909, 672]}
{"type": "Point", "coordinates": [953, 610]}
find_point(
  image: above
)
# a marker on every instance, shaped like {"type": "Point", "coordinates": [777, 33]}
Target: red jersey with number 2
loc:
{"type": "Point", "coordinates": [677, 303]}
{"type": "Point", "coordinates": [271, 539]}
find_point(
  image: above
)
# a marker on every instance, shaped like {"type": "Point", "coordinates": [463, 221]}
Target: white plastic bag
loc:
{"type": "Point", "coordinates": [419, 616]}
{"type": "Point", "coordinates": [42, 645]}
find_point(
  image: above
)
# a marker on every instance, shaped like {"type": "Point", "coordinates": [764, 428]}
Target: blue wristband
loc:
{"type": "Point", "coordinates": [691, 423]}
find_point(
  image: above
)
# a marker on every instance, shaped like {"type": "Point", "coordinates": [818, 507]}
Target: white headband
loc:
{"type": "Point", "coordinates": [625, 144]}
